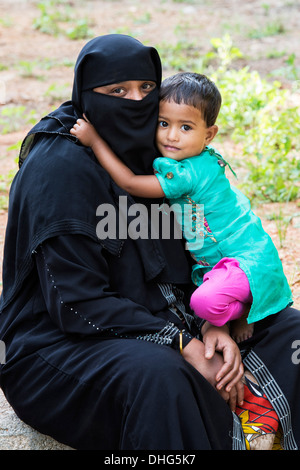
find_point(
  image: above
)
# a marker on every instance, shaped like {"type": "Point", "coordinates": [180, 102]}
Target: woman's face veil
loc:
{"type": "Point", "coordinates": [128, 126]}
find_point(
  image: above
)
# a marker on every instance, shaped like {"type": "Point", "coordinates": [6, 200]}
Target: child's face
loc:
{"type": "Point", "coordinates": [181, 131]}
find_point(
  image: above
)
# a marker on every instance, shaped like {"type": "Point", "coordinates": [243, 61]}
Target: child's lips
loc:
{"type": "Point", "coordinates": [171, 148]}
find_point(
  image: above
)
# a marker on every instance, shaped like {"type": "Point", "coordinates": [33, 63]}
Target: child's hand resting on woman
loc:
{"type": "Point", "coordinates": [85, 132]}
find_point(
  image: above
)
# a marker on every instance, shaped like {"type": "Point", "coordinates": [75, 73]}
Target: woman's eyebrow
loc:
{"type": "Point", "coordinates": [109, 85]}
{"type": "Point", "coordinates": [115, 84]}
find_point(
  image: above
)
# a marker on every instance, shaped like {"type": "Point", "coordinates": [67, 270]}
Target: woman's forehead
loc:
{"type": "Point", "coordinates": [117, 60]}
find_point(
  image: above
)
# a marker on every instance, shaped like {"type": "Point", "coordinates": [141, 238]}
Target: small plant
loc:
{"type": "Point", "coordinates": [48, 20]}
{"type": "Point", "coordinates": [266, 8]}
{"type": "Point", "coordinates": [290, 71]}
{"type": "Point", "coordinates": [282, 223]}
{"type": "Point", "coordinates": [145, 18]}
{"type": "Point", "coordinates": [183, 56]}
{"type": "Point", "coordinates": [57, 92]}
{"type": "Point", "coordinates": [274, 53]}
{"type": "Point", "coordinates": [28, 69]}
{"type": "Point", "coordinates": [13, 118]}
{"type": "Point", "coordinates": [271, 29]}
{"type": "Point", "coordinates": [6, 22]}
{"type": "Point", "coordinates": [225, 51]}
{"type": "Point", "coordinates": [54, 15]}
{"type": "Point", "coordinates": [80, 30]}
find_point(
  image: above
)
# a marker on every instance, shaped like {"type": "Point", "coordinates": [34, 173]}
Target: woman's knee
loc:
{"type": "Point", "coordinates": [155, 370]}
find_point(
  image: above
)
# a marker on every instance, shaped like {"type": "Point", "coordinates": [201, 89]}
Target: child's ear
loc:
{"type": "Point", "coordinates": [211, 133]}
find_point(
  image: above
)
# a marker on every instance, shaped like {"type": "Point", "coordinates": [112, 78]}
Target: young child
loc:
{"type": "Point", "coordinates": [238, 272]}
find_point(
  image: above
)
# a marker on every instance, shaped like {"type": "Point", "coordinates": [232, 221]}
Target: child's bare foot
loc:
{"type": "Point", "coordinates": [241, 330]}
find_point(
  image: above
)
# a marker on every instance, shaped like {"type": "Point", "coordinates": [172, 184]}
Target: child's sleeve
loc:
{"type": "Point", "coordinates": [174, 177]}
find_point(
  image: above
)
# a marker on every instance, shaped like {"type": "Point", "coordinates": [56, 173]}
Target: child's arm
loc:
{"type": "Point", "coordinates": [137, 185]}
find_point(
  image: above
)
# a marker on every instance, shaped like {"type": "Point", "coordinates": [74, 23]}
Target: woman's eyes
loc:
{"type": "Point", "coordinates": [145, 87]}
{"type": "Point", "coordinates": [148, 86]}
{"type": "Point", "coordinates": [186, 127]}
{"type": "Point", "coordinates": [163, 124]}
{"type": "Point", "coordinates": [118, 91]}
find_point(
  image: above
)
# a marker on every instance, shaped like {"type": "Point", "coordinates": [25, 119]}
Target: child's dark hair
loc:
{"type": "Point", "coordinates": [195, 90]}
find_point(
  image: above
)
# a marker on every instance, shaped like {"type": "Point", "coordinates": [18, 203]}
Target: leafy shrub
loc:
{"type": "Point", "coordinates": [260, 116]}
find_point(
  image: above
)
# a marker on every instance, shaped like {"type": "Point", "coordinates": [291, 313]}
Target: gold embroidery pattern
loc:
{"type": "Point", "coordinates": [199, 222]}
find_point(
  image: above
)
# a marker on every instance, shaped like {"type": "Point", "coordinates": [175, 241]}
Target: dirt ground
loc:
{"type": "Point", "coordinates": [36, 69]}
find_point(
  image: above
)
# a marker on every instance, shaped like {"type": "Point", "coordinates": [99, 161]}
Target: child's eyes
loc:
{"type": "Point", "coordinates": [186, 127]}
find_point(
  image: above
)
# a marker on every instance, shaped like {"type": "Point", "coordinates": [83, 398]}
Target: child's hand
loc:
{"type": "Point", "coordinates": [85, 132]}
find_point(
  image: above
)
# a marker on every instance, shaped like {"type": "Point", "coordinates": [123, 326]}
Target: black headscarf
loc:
{"type": "Point", "coordinates": [127, 125]}
{"type": "Point", "coordinates": [60, 184]}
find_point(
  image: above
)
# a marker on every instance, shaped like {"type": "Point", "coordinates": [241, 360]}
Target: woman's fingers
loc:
{"type": "Point", "coordinates": [235, 397]}
{"type": "Point", "coordinates": [229, 376]}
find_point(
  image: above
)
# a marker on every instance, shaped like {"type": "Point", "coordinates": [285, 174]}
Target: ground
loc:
{"type": "Point", "coordinates": [36, 69]}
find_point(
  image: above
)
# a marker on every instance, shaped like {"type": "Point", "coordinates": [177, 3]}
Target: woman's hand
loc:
{"type": "Point", "coordinates": [218, 359]}
{"type": "Point", "coordinates": [228, 377]}
{"type": "Point", "coordinates": [194, 353]}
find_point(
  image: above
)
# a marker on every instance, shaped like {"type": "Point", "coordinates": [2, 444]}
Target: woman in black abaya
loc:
{"type": "Point", "coordinates": [93, 326]}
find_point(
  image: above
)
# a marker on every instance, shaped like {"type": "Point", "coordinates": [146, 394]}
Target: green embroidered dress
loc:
{"type": "Point", "coordinates": [220, 224]}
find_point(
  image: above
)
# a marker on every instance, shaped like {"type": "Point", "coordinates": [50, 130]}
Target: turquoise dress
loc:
{"type": "Point", "coordinates": [217, 222]}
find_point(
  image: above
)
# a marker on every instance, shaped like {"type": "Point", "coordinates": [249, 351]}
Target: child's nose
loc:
{"type": "Point", "coordinates": [172, 134]}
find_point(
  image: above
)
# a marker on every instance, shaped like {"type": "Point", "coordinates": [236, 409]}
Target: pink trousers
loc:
{"type": "Point", "coordinates": [224, 294]}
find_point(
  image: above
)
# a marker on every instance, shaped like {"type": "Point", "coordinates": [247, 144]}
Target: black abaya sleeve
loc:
{"type": "Point", "coordinates": [75, 281]}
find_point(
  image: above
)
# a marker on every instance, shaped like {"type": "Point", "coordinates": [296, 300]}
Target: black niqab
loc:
{"type": "Point", "coordinates": [127, 125]}
{"type": "Point", "coordinates": [60, 184]}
